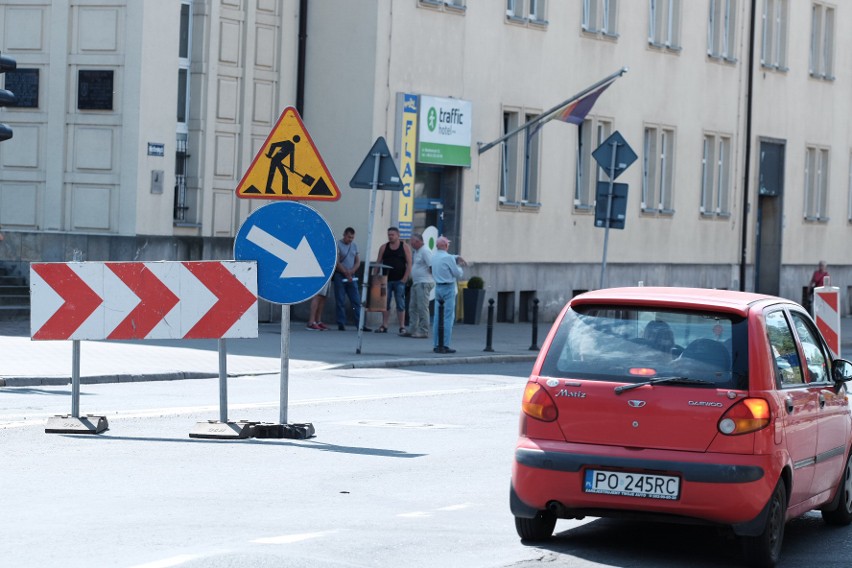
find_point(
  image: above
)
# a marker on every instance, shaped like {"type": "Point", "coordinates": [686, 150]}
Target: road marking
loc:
{"type": "Point", "coordinates": [456, 507]}
{"type": "Point", "coordinates": [423, 514]}
{"type": "Point", "coordinates": [415, 515]}
{"type": "Point", "coordinates": [168, 562]}
{"type": "Point", "coordinates": [36, 420]}
{"type": "Point", "coordinates": [291, 538]}
{"type": "Point", "coordinates": [397, 424]}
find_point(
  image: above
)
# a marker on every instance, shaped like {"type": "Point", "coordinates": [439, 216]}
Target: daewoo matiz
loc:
{"type": "Point", "coordinates": [685, 405]}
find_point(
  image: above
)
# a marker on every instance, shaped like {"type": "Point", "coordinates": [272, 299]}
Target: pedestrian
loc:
{"type": "Point", "coordinates": [446, 270]}
{"type": "Point", "coordinates": [317, 307]}
{"type": "Point", "coordinates": [396, 255]}
{"type": "Point", "coordinates": [421, 288]}
{"type": "Point", "coordinates": [345, 281]}
{"type": "Point", "coordinates": [819, 275]}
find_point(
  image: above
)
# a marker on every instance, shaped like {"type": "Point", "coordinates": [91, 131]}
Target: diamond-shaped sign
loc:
{"type": "Point", "coordinates": [624, 155]}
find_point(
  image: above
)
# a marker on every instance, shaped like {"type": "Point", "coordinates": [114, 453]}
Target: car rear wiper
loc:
{"type": "Point", "coordinates": [658, 380]}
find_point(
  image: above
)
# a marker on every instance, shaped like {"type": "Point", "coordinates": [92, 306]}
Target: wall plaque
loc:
{"type": "Point", "coordinates": [24, 83]}
{"type": "Point", "coordinates": [94, 90]}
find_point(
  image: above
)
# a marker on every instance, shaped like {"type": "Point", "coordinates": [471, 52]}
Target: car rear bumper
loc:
{"type": "Point", "coordinates": [716, 488]}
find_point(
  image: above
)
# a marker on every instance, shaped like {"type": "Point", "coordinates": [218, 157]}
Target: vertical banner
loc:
{"type": "Point", "coordinates": [408, 159]}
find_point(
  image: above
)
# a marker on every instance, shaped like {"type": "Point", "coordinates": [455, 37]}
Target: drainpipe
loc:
{"type": "Point", "coordinates": [303, 47]}
{"type": "Point", "coordinates": [747, 168]}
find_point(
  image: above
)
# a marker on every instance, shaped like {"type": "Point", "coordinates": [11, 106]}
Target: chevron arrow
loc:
{"type": "Point", "coordinates": [232, 300]}
{"type": "Point", "coordinates": [155, 300]}
{"type": "Point", "coordinates": [79, 301]}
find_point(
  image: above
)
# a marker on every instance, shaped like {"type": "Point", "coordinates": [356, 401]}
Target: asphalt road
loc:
{"type": "Point", "coordinates": [410, 467]}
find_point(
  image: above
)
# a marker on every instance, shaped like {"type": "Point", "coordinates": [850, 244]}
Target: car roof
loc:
{"type": "Point", "coordinates": [730, 301]}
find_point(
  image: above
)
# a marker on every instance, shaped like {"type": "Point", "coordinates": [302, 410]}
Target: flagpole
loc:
{"type": "Point", "coordinates": [581, 94]}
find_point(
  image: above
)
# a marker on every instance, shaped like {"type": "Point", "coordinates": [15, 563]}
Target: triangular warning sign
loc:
{"type": "Point", "coordinates": [288, 166]}
{"type": "Point", "coordinates": [388, 174]}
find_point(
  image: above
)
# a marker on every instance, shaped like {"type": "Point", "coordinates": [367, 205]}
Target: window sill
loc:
{"type": "Point", "coordinates": [530, 205]}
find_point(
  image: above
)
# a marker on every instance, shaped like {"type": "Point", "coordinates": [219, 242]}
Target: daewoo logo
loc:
{"type": "Point", "coordinates": [636, 403]}
{"type": "Point", "coordinates": [705, 403]}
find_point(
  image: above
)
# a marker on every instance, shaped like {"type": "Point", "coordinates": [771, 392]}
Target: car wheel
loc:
{"type": "Point", "coordinates": [764, 550]}
{"type": "Point", "coordinates": [538, 528]}
{"type": "Point", "coordinates": [842, 515]}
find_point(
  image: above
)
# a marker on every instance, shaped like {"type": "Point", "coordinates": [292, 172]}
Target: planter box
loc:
{"type": "Point", "coordinates": [473, 300]}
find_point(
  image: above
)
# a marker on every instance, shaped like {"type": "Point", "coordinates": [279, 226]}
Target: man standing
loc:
{"type": "Point", "coordinates": [345, 283]}
{"type": "Point", "coordinates": [446, 270]}
{"type": "Point", "coordinates": [421, 289]}
{"type": "Point", "coordinates": [396, 255]}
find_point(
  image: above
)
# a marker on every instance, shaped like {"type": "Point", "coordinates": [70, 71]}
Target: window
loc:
{"type": "Point", "coordinates": [600, 16]}
{"type": "Point", "coordinates": [816, 183]}
{"type": "Point", "coordinates": [664, 24]}
{"type": "Point", "coordinates": [822, 42]}
{"type": "Point", "coordinates": [529, 191]}
{"type": "Point", "coordinates": [517, 185]}
{"type": "Point", "coordinates": [183, 210]}
{"type": "Point", "coordinates": [716, 176]}
{"type": "Point", "coordinates": [773, 50]}
{"type": "Point", "coordinates": [788, 370]}
{"type": "Point", "coordinates": [527, 11]}
{"type": "Point", "coordinates": [658, 170]}
{"type": "Point", "coordinates": [590, 135]}
{"type": "Point", "coordinates": [721, 28]}
{"type": "Point", "coordinates": [816, 359]}
{"type": "Point", "coordinates": [450, 5]}
{"type": "Point", "coordinates": [849, 203]}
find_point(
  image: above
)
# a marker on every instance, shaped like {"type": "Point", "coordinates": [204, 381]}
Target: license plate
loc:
{"type": "Point", "coordinates": [644, 485]}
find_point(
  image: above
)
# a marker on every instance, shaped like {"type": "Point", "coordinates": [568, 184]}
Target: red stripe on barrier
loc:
{"type": "Point", "coordinates": [80, 301]}
{"type": "Point", "coordinates": [232, 299]}
{"type": "Point", "coordinates": [831, 299]}
{"type": "Point", "coordinates": [830, 335]}
{"type": "Point", "coordinates": [155, 300]}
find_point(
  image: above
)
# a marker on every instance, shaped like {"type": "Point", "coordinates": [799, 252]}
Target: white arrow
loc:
{"type": "Point", "coordinates": [301, 261]}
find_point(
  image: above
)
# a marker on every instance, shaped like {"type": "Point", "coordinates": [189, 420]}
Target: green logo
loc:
{"type": "Point", "coordinates": [432, 119]}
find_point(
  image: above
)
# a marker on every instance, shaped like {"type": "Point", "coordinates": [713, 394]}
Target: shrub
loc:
{"type": "Point", "coordinates": [476, 283]}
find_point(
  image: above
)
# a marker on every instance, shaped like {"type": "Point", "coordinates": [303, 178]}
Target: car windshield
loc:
{"type": "Point", "coordinates": [635, 344]}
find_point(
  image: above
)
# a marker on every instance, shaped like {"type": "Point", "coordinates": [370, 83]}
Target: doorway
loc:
{"type": "Point", "coordinates": [770, 217]}
{"type": "Point", "coordinates": [436, 201]}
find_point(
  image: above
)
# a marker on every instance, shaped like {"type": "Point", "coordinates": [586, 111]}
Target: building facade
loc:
{"type": "Point", "coordinates": [146, 115]}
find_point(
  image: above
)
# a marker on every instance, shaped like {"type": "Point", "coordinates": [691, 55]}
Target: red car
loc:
{"type": "Point", "coordinates": [684, 405]}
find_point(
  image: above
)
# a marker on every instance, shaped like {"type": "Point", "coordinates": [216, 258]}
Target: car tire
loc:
{"type": "Point", "coordinates": [842, 515]}
{"type": "Point", "coordinates": [538, 528]}
{"type": "Point", "coordinates": [764, 550]}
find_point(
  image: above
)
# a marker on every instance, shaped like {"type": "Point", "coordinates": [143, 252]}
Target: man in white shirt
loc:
{"type": "Point", "coordinates": [421, 288]}
{"type": "Point", "coordinates": [446, 270]}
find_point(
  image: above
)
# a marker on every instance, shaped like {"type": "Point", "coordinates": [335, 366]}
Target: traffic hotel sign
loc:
{"type": "Point", "coordinates": [294, 248]}
{"type": "Point", "coordinates": [445, 130]}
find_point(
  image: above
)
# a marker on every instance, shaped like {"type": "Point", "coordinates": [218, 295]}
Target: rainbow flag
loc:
{"type": "Point", "coordinates": [576, 111]}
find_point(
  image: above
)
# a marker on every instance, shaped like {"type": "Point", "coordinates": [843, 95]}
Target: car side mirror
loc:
{"type": "Point", "coordinates": [841, 370]}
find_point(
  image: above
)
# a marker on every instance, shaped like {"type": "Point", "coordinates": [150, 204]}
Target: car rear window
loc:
{"type": "Point", "coordinates": [633, 344]}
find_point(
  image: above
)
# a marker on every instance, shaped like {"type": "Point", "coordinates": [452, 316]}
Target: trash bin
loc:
{"type": "Point", "coordinates": [462, 285]}
{"type": "Point", "coordinates": [378, 298]}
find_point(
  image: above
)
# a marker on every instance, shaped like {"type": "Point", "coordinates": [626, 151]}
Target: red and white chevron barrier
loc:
{"type": "Point", "coordinates": [143, 300]}
{"type": "Point", "coordinates": [827, 315]}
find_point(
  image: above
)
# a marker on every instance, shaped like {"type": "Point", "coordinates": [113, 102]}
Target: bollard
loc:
{"type": "Point", "coordinates": [440, 324]}
{"type": "Point", "coordinates": [489, 334]}
{"type": "Point", "coordinates": [534, 346]}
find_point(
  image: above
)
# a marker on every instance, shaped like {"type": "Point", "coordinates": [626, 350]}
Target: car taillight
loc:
{"type": "Point", "coordinates": [748, 415]}
{"type": "Point", "coordinates": [538, 403]}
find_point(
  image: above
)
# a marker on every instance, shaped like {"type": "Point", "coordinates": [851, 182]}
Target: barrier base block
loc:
{"type": "Point", "coordinates": [222, 430]}
{"type": "Point", "coordinates": [291, 431]}
{"type": "Point", "coordinates": [67, 424]}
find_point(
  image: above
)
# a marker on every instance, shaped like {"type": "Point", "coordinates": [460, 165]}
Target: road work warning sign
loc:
{"type": "Point", "coordinates": [288, 166]}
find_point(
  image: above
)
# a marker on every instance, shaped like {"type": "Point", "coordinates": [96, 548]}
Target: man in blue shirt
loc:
{"type": "Point", "coordinates": [446, 270]}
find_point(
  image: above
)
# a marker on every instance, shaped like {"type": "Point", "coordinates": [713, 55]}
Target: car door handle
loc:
{"type": "Point", "coordinates": [821, 400]}
{"type": "Point", "coordinates": [789, 405]}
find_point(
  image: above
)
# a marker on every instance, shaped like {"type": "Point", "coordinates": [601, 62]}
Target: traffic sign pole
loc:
{"type": "Point", "coordinates": [377, 157]}
{"type": "Point", "coordinates": [223, 381]}
{"type": "Point", "coordinates": [608, 211]}
{"type": "Point", "coordinates": [285, 361]}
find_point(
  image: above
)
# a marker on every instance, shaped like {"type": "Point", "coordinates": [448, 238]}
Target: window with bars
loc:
{"type": "Point", "coordinates": [664, 24]}
{"type": "Point", "coordinates": [721, 29]}
{"type": "Point", "coordinates": [182, 209]}
{"type": "Point", "coordinates": [816, 183]}
{"type": "Point", "coordinates": [600, 17]}
{"type": "Point", "coordinates": [590, 135]}
{"type": "Point", "coordinates": [658, 170]}
{"type": "Point", "coordinates": [773, 48]}
{"type": "Point", "coordinates": [716, 176]}
{"type": "Point", "coordinates": [822, 42]}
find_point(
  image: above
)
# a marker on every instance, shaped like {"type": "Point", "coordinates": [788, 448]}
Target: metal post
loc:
{"type": "Point", "coordinates": [377, 157]}
{"type": "Point", "coordinates": [611, 173]}
{"type": "Point", "coordinates": [440, 323]}
{"type": "Point", "coordinates": [489, 334]}
{"type": "Point", "coordinates": [534, 346]}
{"type": "Point", "coordinates": [223, 381]}
{"type": "Point", "coordinates": [285, 359]}
{"type": "Point", "coordinates": [75, 378]}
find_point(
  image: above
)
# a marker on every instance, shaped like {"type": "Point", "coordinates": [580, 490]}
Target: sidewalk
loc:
{"type": "Point", "coordinates": [24, 362]}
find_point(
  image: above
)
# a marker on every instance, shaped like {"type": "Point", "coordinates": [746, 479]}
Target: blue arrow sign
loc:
{"type": "Point", "coordinates": [294, 248]}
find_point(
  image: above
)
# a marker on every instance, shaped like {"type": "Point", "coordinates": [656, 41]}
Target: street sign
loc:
{"type": "Point", "coordinates": [288, 166]}
{"type": "Point", "coordinates": [618, 210]}
{"type": "Point", "coordinates": [143, 300]}
{"type": "Point", "coordinates": [388, 174]}
{"type": "Point", "coordinates": [624, 155]}
{"type": "Point", "coordinates": [294, 248]}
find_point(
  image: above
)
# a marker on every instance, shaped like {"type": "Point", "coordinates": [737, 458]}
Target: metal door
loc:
{"type": "Point", "coordinates": [770, 217]}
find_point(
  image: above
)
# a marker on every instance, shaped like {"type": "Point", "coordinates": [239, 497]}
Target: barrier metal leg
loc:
{"type": "Point", "coordinates": [73, 423]}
